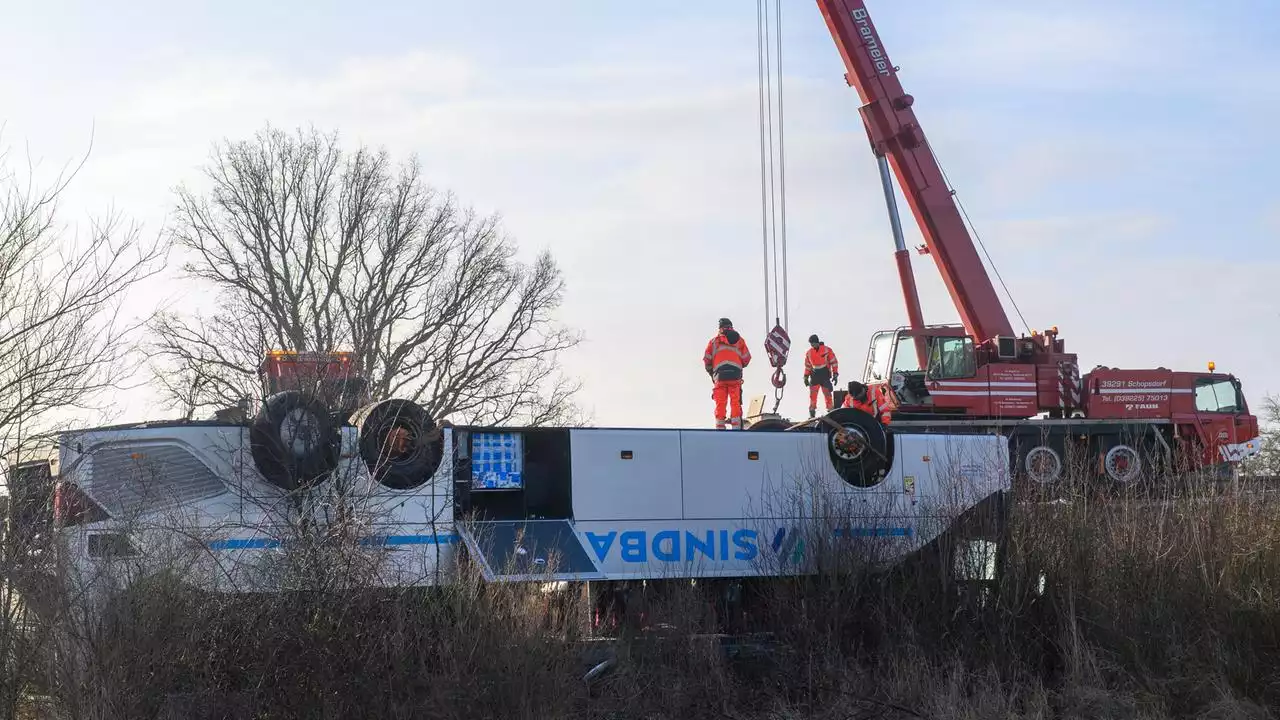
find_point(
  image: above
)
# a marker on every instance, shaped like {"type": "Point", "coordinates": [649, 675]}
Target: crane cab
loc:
{"type": "Point", "coordinates": [894, 359]}
{"type": "Point", "coordinates": [942, 370]}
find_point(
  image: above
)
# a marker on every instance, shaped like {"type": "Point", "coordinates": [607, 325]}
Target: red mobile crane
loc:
{"type": "Point", "coordinates": [979, 374]}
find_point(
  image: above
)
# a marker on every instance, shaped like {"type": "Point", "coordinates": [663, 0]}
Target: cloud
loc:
{"type": "Point", "coordinates": [1086, 47]}
{"type": "Point", "coordinates": [214, 88]}
{"type": "Point", "coordinates": [1269, 222]}
{"type": "Point", "coordinates": [1083, 235]}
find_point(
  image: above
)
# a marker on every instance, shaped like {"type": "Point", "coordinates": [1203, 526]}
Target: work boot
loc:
{"type": "Point", "coordinates": [812, 412]}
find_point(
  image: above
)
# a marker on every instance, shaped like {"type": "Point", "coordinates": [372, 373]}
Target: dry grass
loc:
{"type": "Point", "coordinates": [1149, 609]}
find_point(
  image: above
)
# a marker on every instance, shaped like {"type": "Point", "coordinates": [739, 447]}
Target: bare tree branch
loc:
{"type": "Point", "coordinates": [313, 249]}
{"type": "Point", "coordinates": [64, 345]}
{"type": "Point", "coordinates": [63, 341]}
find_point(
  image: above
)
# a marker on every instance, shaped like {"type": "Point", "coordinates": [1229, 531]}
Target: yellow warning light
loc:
{"type": "Point", "coordinates": [1211, 366]}
{"type": "Point", "coordinates": [136, 456]}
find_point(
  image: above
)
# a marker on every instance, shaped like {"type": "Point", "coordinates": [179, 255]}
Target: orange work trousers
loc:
{"type": "Point", "coordinates": [813, 395]}
{"type": "Point", "coordinates": [728, 391]}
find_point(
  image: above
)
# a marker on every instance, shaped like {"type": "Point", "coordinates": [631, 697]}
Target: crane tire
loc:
{"type": "Point", "coordinates": [400, 442]}
{"type": "Point", "coordinates": [768, 424]}
{"type": "Point", "coordinates": [1122, 464]}
{"type": "Point", "coordinates": [294, 441]}
{"type": "Point", "coordinates": [1035, 460]}
{"type": "Point", "coordinates": [868, 467]}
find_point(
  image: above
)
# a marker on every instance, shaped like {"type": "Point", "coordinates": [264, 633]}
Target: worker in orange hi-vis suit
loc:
{"type": "Point", "coordinates": [725, 358]}
{"type": "Point", "coordinates": [821, 371]}
{"type": "Point", "coordinates": [861, 397]}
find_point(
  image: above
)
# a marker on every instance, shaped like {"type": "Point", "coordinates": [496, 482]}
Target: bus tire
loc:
{"type": "Point", "coordinates": [294, 441]}
{"type": "Point", "coordinates": [868, 466]}
{"type": "Point", "coordinates": [400, 443]}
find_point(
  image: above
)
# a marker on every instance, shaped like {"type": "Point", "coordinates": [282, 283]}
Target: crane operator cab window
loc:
{"type": "Point", "coordinates": [892, 359]}
{"type": "Point", "coordinates": [890, 352]}
{"type": "Point", "coordinates": [951, 358]}
{"type": "Point", "coordinates": [1219, 395]}
{"type": "Point", "coordinates": [879, 358]}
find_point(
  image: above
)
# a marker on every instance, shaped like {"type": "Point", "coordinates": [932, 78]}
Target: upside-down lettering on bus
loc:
{"type": "Point", "coordinates": [635, 546]}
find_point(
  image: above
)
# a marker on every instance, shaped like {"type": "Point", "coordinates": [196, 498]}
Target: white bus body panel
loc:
{"type": "Point", "coordinates": [227, 536]}
{"type": "Point", "coordinates": [645, 504]}
{"type": "Point", "coordinates": [745, 497]}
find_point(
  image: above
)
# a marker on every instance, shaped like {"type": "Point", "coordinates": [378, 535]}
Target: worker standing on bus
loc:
{"type": "Point", "coordinates": [725, 359]}
{"type": "Point", "coordinates": [821, 370]}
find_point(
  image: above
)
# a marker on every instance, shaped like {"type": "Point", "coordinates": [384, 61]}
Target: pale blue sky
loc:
{"type": "Point", "coordinates": [1115, 157]}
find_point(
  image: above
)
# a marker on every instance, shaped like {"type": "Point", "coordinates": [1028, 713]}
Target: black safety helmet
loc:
{"type": "Point", "coordinates": [813, 340]}
{"type": "Point", "coordinates": [725, 323]}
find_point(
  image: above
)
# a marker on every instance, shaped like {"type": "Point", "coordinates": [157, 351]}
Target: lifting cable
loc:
{"type": "Point", "coordinates": [773, 201]}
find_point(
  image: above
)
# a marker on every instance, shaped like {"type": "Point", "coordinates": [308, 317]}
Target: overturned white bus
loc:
{"type": "Point", "coordinates": [583, 505]}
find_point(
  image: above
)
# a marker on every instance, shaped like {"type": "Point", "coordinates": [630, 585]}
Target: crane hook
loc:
{"type": "Point", "coordinates": [779, 382]}
{"type": "Point", "coordinates": [777, 345]}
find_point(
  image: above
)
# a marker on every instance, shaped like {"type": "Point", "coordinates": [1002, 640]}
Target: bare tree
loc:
{"type": "Point", "coordinates": [314, 249]}
{"type": "Point", "coordinates": [64, 343]}
{"type": "Point", "coordinates": [1267, 462]}
{"type": "Point", "coordinates": [64, 346]}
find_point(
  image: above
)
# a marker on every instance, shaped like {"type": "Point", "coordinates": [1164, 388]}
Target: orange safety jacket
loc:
{"type": "Point", "coordinates": [726, 355]}
{"type": "Point", "coordinates": [868, 408]}
{"type": "Point", "coordinates": [821, 358]}
{"type": "Point", "coordinates": [875, 405]}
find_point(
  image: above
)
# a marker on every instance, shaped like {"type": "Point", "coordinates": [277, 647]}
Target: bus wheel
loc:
{"type": "Point", "coordinates": [294, 441]}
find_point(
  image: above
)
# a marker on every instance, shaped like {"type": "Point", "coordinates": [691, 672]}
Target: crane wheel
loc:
{"type": "Point", "coordinates": [1122, 464]}
{"type": "Point", "coordinates": [862, 454]}
{"type": "Point", "coordinates": [767, 424]}
{"type": "Point", "coordinates": [1043, 464]}
{"type": "Point", "coordinates": [294, 441]}
{"type": "Point", "coordinates": [400, 443]}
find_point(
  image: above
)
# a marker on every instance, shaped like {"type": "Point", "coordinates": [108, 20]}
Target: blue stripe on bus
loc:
{"type": "Point", "coordinates": [400, 540]}
{"type": "Point", "coordinates": [874, 532]}
{"type": "Point", "coordinates": [410, 540]}
{"type": "Point", "coordinates": [265, 543]}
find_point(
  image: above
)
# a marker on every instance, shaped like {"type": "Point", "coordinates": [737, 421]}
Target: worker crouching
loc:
{"type": "Point", "coordinates": [821, 372]}
{"type": "Point", "coordinates": [725, 359]}
{"type": "Point", "coordinates": [862, 398]}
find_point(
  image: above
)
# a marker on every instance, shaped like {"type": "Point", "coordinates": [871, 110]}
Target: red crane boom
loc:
{"type": "Point", "coordinates": [896, 134]}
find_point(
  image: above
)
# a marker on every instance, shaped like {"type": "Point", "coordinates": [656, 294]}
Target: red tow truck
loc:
{"type": "Point", "coordinates": [1123, 424]}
